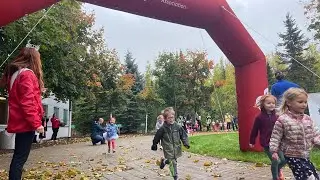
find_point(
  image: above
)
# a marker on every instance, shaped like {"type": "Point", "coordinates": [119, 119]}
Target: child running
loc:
{"type": "Point", "coordinates": [295, 134]}
{"type": "Point", "coordinates": [112, 134]}
{"type": "Point", "coordinates": [171, 134]}
{"type": "Point", "coordinates": [264, 123]}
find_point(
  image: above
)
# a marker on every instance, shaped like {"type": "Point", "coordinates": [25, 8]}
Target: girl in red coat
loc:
{"type": "Point", "coordinates": [24, 82]}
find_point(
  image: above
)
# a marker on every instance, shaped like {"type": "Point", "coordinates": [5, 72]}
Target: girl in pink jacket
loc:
{"type": "Point", "coordinates": [295, 134]}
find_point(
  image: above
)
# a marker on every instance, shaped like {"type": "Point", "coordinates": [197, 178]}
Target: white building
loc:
{"type": "Point", "coordinates": [63, 113]}
{"type": "Point", "coordinates": [50, 106]}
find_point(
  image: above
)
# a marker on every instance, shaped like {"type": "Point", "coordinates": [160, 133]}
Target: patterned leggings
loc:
{"type": "Point", "coordinates": [302, 168]}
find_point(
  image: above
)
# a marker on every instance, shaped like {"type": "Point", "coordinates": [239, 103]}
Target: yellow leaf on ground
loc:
{"type": "Point", "coordinates": [84, 178]}
{"type": "Point", "coordinates": [207, 163]}
{"type": "Point", "coordinates": [188, 177]}
{"type": "Point", "coordinates": [216, 175]}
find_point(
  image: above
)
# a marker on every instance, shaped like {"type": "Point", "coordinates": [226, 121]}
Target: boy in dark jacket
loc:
{"type": "Point", "coordinates": [171, 134]}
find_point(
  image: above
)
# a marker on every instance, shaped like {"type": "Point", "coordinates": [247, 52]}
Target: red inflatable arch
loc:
{"type": "Point", "coordinates": [225, 29]}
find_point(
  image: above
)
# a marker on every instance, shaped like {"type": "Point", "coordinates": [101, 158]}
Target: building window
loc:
{"type": "Point", "coordinates": [65, 116]}
{"type": "Point", "coordinates": [56, 112]}
{"type": "Point", "coordinates": [45, 109]}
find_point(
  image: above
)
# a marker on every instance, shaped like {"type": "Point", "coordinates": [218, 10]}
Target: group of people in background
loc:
{"type": "Point", "coordinates": [55, 124]}
{"type": "Point", "coordinates": [189, 125]}
{"type": "Point", "coordinates": [230, 123]}
{"type": "Point", "coordinates": [287, 134]}
{"type": "Point", "coordinates": [101, 133]}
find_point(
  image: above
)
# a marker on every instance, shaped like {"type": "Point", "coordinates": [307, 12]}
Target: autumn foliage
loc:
{"type": "Point", "coordinates": [126, 82]}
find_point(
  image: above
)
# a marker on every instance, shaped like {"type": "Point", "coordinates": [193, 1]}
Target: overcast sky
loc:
{"type": "Point", "coordinates": [146, 37]}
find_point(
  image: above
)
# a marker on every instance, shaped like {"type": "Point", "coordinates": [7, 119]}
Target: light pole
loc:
{"type": "Point", "coordinates": [146, 130]}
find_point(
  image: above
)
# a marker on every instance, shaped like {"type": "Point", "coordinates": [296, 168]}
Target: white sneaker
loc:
{"type": "Point", "coordinates": [160, 148]}
{"type": "Point", "coordinates": [311, 177]}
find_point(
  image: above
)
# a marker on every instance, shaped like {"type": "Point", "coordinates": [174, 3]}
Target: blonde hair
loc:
{"type": "Point", "coordinates": [167, 111]}
{"type": "Point", "coordinates": [263, 98]}
{"type": "Point", "coordinates": [159, 117]}
{"type": "Point", "coordinates": [290, 95]}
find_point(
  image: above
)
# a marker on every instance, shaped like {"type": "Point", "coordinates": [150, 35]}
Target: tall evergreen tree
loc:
{"type": "Point", "coordinates": [132, 68]}
{"type": "Point", "coordinates": [133, 115]}
{"type": "Point", "coordinates": [294, 43]}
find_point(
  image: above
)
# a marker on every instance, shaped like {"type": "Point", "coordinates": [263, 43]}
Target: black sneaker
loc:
{"type": "Point", "coordinates": [162, 163]}
{"type": "Point", "coordinates": [114, 151]}
{"type": "Point", "coordinates": [108, 150]}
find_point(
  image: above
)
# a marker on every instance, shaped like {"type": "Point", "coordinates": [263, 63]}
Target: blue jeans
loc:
{"type": "Point", "coordinates": [97, 138]}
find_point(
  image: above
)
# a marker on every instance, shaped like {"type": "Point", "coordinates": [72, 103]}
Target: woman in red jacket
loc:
{"type": "Point", "coordinates": [55, 127]}
{"type": "Point", "coordinates": [24, 82]}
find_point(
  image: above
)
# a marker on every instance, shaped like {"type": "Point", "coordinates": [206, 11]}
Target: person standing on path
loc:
{"type": "Point", "coordinates": [198, 120]}
{"type": "Point", "coordinates": [55, 127]}
{"type": "Point", "coordinates": [23, 80]}
{"type": "Point", "coordinates": [184, 124]}
{"type": "Point", "coordinates": [209, 121]}
{"type": "Point", "coordinates": [235, 123]}
{"type": "Point", "coordinates": [228, 120]}
{"type": "Point", "coordinates": [281, 86]}
{"type": "Point", "coordinates": [159, 123]}
{"type": "Point", "coordinates": [263, 124]}
{"type": "Point", "coordinates": [171, 135]}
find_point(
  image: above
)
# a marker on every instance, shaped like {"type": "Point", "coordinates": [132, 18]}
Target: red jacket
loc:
{"type": "Point", "coordinates": [25, 106]}
{"type": "Point", "coordinates": [55, 122]}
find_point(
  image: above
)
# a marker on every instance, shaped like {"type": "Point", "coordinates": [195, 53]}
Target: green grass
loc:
{"type": "Point", "coordinates": [227, 146]}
